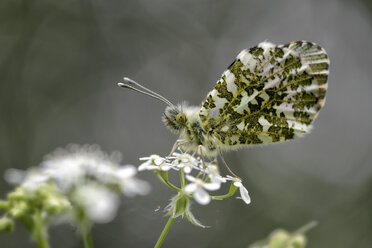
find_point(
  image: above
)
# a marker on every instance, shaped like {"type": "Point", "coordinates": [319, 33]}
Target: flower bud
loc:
{"type": "Point", "coordinates": [18, 194]}
{"type": "Point", "coordinates": [180, 205]}
{"type": "Point", "coordinates": [55, 205]}
{"type": "Point", "coordinates": [6, 225]}
{"type": "Point", "coordinates": [278, 239]}
{"type": "Point", "coordinates": [283, 239]}
{"type": "Point", "coordinates": [4, 205]}
{"type": "Point", "coordinates": [19, 209]}
{"type": "Point", "coordinates": [299, 241]}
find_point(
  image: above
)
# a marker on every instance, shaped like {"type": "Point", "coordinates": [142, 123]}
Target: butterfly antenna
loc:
{"type": "Point", "coordinates": [131, 84]}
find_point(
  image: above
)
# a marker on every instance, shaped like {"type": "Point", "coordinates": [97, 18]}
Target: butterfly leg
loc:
{"type": "Point", "coordinates": [177, 144]}
{"type": "Point", "coordinates": [227, 167]}
{"type": "Point", "coordinates": [200, 151]}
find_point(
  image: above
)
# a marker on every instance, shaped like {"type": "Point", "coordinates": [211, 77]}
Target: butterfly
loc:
{"type": "Point", "coordinates": [268, 94]}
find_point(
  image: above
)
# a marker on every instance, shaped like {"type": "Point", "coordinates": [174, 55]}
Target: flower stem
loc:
{"type": "Point", "coordinates": [84, 226]}
{"type": "Point", "coordinates": [40, 232]}
{"type": "Point", "coordinates": [182, 179]}
{"type": "Point", "coordinates": [87, 238]}
{"type": "Point", "coordinates": [166, 182]}
{"type": "Point", "coordinates": [230, 193]}
{"type": "Point", "coordinates": [164, 232]}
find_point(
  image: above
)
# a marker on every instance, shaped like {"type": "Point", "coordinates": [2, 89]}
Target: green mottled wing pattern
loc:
{"type": "Point", "coordinates": [268, 94]}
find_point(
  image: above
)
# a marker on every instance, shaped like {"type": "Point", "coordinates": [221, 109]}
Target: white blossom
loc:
{"type": "Point", "coordinates": [98, 202]}
{"type": "Point", "coordinates": [243, 191]}
{"type": "Point", "coordinates": [86, 176]}
{"type": "Point", "coordinates": [72, 165]}
{"type": "Point", "coordinates": [33, 180]}
{"type": "Point", "coordinates": [154, 162]}
{"type": "Point", "coordinates": [14, 176]}
{"type": "Point", "coordinates": [76, 164]}
{"type": "Point", "coordinates": [198, 188]}
{"type": "Point", "coordinates": [214, 174]}
{"type": "Point", "coordinates": [185, 161]}
{"type": "Point", "coordinates": [30, 180]}
{"type": "Point", "coordinates": [131, 185]}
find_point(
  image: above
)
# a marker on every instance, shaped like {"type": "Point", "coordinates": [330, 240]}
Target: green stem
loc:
{"type": "Point", "coordinates": [164, 232]}
{"type": "Point", "coordinates": [84, 226]}
{"type": "Point", "coordinates": [166, 182]}
{"type": "Point", "coordinates": [87, 238]}
{"type": "Point", "coordinates": [230, 193]}
{"type": "Point", "coordinates": [182, 178]}
{"type": "Point", "coordinates": [40, 232]}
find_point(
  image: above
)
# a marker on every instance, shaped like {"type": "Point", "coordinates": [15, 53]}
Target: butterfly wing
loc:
{"type": "Point", "coordinates": [268, 94]}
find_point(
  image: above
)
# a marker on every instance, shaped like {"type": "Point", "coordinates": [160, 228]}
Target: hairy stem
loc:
{"type": "Point", "coordinates": [164, 232]}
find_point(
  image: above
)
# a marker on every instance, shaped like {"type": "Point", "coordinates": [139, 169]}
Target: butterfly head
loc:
{"type": "Point", "coordinates": [175, 118]}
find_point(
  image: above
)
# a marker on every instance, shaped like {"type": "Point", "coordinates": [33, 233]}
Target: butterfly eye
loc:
{"type": "Point", "coordinates": [181, 118]}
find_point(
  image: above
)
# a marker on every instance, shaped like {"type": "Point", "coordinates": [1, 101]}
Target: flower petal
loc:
{"type": "Point", "coordinates": [201, 196]}
{"type": "Point", "coordinates": [127, 171]}
{"type": "Point", "coordinates": [165, 167]}
{"type": "Point", "coordinates": [147, 166]}
{"type": "Point", "coordinates": [180, 165]}
{"type": "Point", "coordinates": [244, 194]}
{"type": "Point", "coordinates": [158, 161]}
{"type": "Point", "coordinates": [238, 184]}
{"type": "Point", "coordinates": [187, 169]}
{"type": "Point", "coordinates": [212, 186]}
{"type": "Point", "coordinates": [217, 179]}
{"type": "Point", "coordinates": [190, 178]}
{"type": "Point", "coordinates": [190, 188]}
{"type": "Point", "coordinates": [134, 186]}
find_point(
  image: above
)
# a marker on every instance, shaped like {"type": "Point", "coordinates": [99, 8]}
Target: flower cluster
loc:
{"type": "Point", "coordinates": [73, 165]}
{"type": "Point", "coordinates": [198, 179]}
{"type": "Point", "coordinates": [81, 184]}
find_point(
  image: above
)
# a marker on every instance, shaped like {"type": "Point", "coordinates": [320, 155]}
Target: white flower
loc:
{"type": "Point", "coordinates": [30, 180]}
{"type": "Point", "coordinates": [86, 177]}
{"type": "Point", "coordinates": [185, 161]}
{"type": "Point", "coordinates": [243, 191]}
{"type": "Point", "coordinates": [76, 165]}
{"type": "Point", "coordinates": [154, 162]}
{"type": "Point", "coordinates": [14, 176]}
{"type": "Point", "coordinates": [214, 174]}
{"type": "Point", "coordinates": [99, 203]}
{"type": "Point", "coordinates": [130, 185]}
{"type": "Point", "coordinates": [198, 188]}
{"type": "Point", "coordinates": [66, 172]}
{"type": "Point", "coordinates": [33, 180]}
{"type": "Point", "coordinates": [72, 165]}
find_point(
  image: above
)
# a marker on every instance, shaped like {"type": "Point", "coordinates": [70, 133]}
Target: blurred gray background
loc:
{"type": "Point", "coordinates": [59, 65]}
